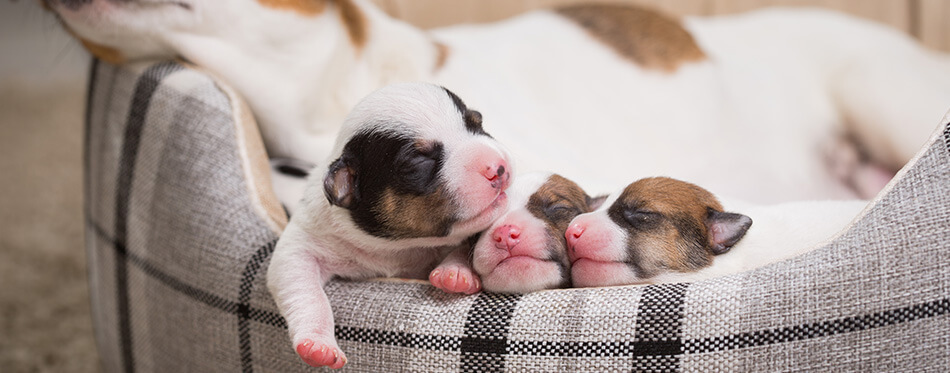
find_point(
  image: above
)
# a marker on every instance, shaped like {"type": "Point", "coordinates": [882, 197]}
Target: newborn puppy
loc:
{"type": "Point", "coordinates": [411, 177]}
{"type": "Point", "coordinates": [524, 250]}
{"type": "Point", "coordinates": [660, 230]}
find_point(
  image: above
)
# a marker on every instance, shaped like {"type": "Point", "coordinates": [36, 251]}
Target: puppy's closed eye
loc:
{"type": "Point", "coordinates": [641, 219]}
{"type": "Point", "coordinates": [417, 169]}
{"type": "Point", "coordinates": [561, 211]}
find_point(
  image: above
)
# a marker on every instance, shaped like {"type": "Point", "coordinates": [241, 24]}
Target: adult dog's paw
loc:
{"type": "Point", "coordinates": [318, 353]}
{"type": "Point", "coordinates": [453, 278]}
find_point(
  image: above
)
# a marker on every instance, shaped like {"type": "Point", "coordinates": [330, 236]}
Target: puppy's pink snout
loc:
{"type": "Point", "coordinates": [497, 173]}
{"type": "Point", "coordinates": [573, 234]}
{"type": "Point", "coordinates": [506, 236]}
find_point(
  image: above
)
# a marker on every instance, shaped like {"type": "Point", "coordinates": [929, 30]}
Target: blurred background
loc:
{"type": "Point", "coordinates": [44, 312]}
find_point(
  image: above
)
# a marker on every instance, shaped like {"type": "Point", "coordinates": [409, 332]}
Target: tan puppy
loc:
{"type": "Point", "coordinates": [524, 250]}
{"type": "Point", "coordinates": [660, 230]}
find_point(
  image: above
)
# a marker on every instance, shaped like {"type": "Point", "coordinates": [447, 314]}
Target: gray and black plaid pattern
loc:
{"type": "Point", "coordinates": [177, 258]}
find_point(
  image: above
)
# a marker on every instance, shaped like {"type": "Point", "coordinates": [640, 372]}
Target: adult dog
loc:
{"type": "Point", "coordinates": [773, 105]}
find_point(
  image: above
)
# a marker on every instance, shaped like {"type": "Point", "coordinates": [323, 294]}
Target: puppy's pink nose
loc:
{"type": "Point", "coordinates": [573, 234]}
{"type": "Point", "coordinates": [506, 236]}
{"type": "Point", "coordinates": [497, 173]}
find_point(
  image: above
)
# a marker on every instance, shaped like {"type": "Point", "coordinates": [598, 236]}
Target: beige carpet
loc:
{"type": "Point", "coordinates": [45, 323]}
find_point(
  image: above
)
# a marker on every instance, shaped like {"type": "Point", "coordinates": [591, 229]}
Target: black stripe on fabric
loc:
{"type": "Point", "coordinates": [221, 303]}
{"type": "Point", "coordinates": [244, 309]}
{"type": "Point", "coordinates": [90, 101]}
{"type": "Point", "coordinates": [819, 329]}
{"type": "Point", "coordinates": [565, 348]}
{"type": "Point", "coordinates": [144, 90]}
{"type": "Point", "coordinates": [946, 136]}
{"type": "Point", "coordinates": [485, 340]}
{"type": "Point", "coordinates": [398, 339]}
{"type": "Point", "coordinates": [657, 343]}
{"type": "Point", "coordinates": [92, 85]}
{"type": "Point", "coordinates": [571, 348]}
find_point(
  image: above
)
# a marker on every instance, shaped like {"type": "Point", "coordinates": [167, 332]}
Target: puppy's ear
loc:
{"type": "Point", "coordinates": [339, 184]}
{"type": "Point", "coordinates": [594, 203]}
{"type": "Point", "coordinates": [473, 117]}
{"type": "Point", "coordinates": [725, 229]}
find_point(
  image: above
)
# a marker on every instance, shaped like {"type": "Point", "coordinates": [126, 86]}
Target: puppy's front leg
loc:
{"type": "Point", "coordinates": [455, 274]}
{"type": "Point", "coordinates": [295, 279]}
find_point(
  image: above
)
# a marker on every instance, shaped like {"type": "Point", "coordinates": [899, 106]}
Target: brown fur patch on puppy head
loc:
{"type": "Point", "coordinates": [646, 37]}
{"type": "Point", "coordinates": [673, 226]}
{"type": "Point", "coordinates": [407, 215]}
{"type": "Point", "coordinates": [558, 201]}
{"type": "Point", "coordinates": [392, 186]}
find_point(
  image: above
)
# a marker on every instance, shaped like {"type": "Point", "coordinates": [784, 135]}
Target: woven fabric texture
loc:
{"type": "Point", "coordinates": [178, 244]}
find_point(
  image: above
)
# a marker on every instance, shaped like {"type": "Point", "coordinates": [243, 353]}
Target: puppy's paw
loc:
{"type": "Point", "coordinates": [453, 278]}
{"type": "Point", "coordinates": [318, 353]}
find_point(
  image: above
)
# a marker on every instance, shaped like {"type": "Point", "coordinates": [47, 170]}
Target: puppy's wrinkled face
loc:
{"type": "Point", "coordinates": [654, 226]}
{"type": "Point", "coordinates": [525, 249]}
{"type": "Point", "coordinates": [415, 162]}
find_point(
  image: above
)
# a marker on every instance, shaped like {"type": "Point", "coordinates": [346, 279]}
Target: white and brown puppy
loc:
{"type": "Point", "coordinates": [412, 176]}
{"type": "Point", "coordinates": [785, 93]}
{"type": "Point", "coordinates": [659, 230]}
{"type": "Point", "coordinates": [524, 250]}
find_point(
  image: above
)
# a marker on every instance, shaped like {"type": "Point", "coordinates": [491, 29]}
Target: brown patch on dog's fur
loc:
{"type": "Point", "coordinates": [303, 7]}
{"type": "Point", "coordinates": [557, 202]}
{"type": "Point", "coordinates": [408, 216]}
{"type": "Point", "coordinates": [442, 54]}
{"type": "Point", "coordinates": [354, 21]}
{"type": "Point", "coordinates": [102, 52]}
{"type": "Point", "coordinates": [673, 235]}
{"type": "Point", "coordinates": [644, 36]}
{"type": "Point", "coordinates": [350, 14]}
{"type": "Point", "coordinates": [670, 196]}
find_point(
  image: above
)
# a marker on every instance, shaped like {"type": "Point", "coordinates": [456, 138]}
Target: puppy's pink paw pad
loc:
{"type": "Point", "coordinates": [318, 354]}
{"type": "Point", "coordinates": [455, 279]}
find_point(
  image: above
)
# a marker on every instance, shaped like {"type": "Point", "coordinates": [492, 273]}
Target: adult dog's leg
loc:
{"type": "Point", "coordinates": [892, 92]}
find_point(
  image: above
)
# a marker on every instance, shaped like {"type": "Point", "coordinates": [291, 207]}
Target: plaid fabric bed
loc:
{"type": "Point", "coordinates": [177, 254]}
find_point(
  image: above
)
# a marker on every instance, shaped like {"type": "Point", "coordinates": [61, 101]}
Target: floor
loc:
{"type": "Point", "coordinates": [45, 324]}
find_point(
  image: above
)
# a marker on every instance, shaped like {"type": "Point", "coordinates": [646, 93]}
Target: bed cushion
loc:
{"type": "Point", "coordinates": [181, 223]}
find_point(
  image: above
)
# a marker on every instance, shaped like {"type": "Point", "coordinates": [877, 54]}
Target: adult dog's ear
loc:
{"type": "Point", "coordinates": [339, 184]}
{"type": "Point", "coordinates": [725, 229]}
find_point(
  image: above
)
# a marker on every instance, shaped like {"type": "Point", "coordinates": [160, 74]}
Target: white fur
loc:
{"type": "Point", "coordinates": [778, 232]}
{"type": "Point", "coordinates": [759, 118]}
{"type": "Point", "coordinates": [485, 260]}
{"type": "Point", "coordinates": [322, 240]}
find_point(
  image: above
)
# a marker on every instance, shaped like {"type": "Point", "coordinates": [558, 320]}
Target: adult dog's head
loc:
{"type": "Point", "coordinates": [412, 161]}
{"type": "Point", "coordinates": [121, 30]}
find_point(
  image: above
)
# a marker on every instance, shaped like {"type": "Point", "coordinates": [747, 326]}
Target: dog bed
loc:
{"type": "Point", "coordinates": [181, 222]}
